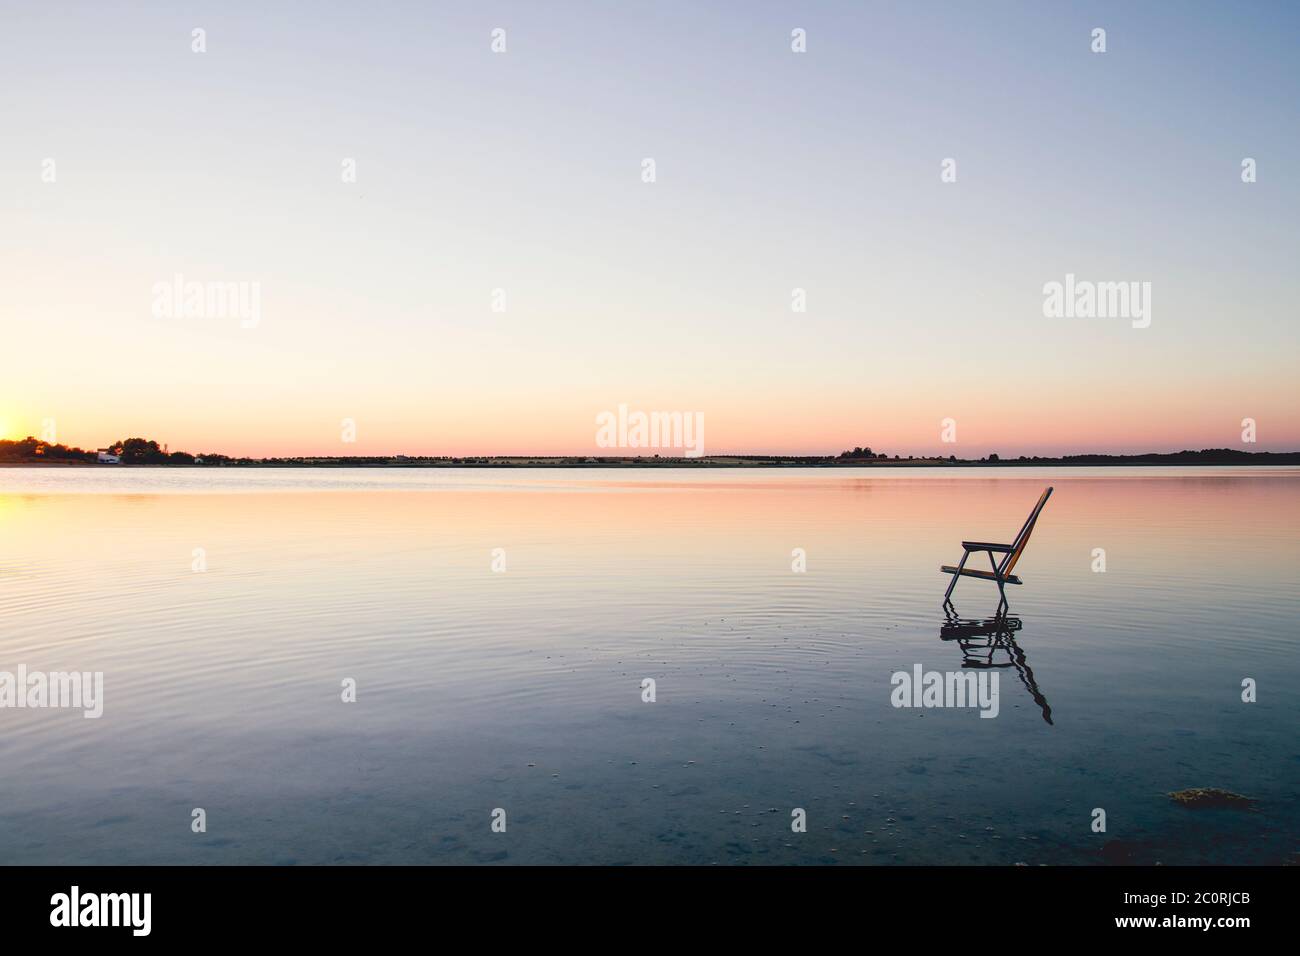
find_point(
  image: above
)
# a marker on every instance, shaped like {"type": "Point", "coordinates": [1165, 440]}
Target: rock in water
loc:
{"type": "Point", "coordinates": [1198, 797]}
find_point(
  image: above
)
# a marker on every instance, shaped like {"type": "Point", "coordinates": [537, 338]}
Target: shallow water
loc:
{"type": "Point", "coordinates": [521, 689]}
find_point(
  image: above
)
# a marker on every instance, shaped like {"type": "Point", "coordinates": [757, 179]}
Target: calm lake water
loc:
{"type": "Point", "coordinates": [521, 688]}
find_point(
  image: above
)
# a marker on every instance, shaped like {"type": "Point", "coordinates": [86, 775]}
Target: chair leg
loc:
{"type": "Point", "coordinates": [961, 564]}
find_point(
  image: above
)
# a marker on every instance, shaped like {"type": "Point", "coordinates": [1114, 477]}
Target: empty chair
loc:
{"type": "Point", "coordinates": [999, 571]}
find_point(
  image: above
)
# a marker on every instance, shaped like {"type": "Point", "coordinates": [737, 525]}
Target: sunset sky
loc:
{"type": "Point", "coordinates": [776, 170]}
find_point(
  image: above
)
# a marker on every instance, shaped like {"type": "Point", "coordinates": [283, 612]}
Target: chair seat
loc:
{"type": "Point", "coordinates": [986, 575]}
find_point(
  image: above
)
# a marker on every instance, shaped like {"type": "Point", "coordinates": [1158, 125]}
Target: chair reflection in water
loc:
{"type": "Point", "coordinates": [991, 643]}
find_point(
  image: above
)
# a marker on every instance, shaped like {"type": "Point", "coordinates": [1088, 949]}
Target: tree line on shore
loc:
{"type": "Point", "coordinates": [131, 451]}
{"type": "Point", "coordinates": [142, 451]}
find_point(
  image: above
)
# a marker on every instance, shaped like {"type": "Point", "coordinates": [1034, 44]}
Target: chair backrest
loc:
{"type": "Point", "coordinates": [1018, 545]}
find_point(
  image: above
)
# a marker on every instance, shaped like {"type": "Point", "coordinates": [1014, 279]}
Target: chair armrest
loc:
{"type": "Point", "coordinates": [986, 546]}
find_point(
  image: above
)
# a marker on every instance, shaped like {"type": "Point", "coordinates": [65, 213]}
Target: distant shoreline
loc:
{"type": "Point", "coordinates": [1208, 457]}
{"type": "Point", "coordinates": [137, 452]}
